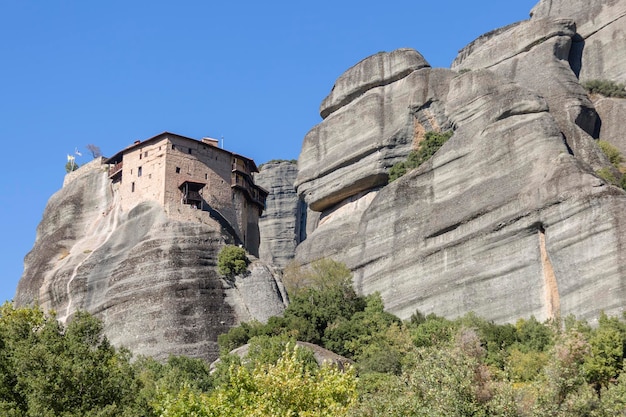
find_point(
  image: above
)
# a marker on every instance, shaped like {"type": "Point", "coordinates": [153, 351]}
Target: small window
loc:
{"type": "Point", "coordinates": [189, 150]}
{"type": "Point", "coordinates": [206, 176]}
{"type": "Point", "coordinates": [140, 155]}
{"type": "Point", "coordinates": [145, 154]}
{"type": "Point", "coordinates": [139, 172]}
{"type": "Point", "coordinates": [173, 146]}
{"type": "Point", "coordinates": [178, 170]}
{"type": "Point", "coordinates": [132, 187]}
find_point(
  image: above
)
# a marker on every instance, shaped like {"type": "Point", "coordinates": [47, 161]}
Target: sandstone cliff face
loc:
{"type": "Point", "coordinates": [151, 280]}
{"type": "Point", "coordinates": [507, 219]}
{"type": "Point", "coordinates": [598, 50]}
{"type": "Point", "coordinates": [282, 223]}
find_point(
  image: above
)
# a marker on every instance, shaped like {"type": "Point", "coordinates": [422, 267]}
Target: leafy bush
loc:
{"type": "Point", "coordinates": [231, 261]}
{"type": "Point", "coordinates": [319, 275]}
{"type": "Point", "coordinates": [606, 88]}
{"type": "Point", "coordinates": [287, 388]}
{"type": "Point", "coordinates": [427, 148]}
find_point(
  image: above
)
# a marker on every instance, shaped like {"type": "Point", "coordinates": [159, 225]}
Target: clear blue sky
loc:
{"type": "Point", "coordinates": [74, 73]}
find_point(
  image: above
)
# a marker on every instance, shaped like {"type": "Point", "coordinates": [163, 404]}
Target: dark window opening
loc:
{"type": "Point", "coordinates": [132, 187]}
{"type": "Point", "coordinates": [189, 150]}
{"type": "Point", "coordinates": [206, 176]}
{"type": "Point", "coordinates": [173, 146]}
{"type": "Point", "coordinates": [139, 172]}
{"type": "Point", "coordinates": [178, 170]}
{"type": "Point", "coordinates": [146, 154]}
{"type": "Point", "coordinates": [140, 154]}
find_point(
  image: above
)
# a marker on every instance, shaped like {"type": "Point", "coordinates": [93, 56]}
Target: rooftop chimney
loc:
{"type": "Point", "coordinates": [211, 141]}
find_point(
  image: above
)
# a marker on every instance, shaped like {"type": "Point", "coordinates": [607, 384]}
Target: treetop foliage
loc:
{"type": "Point", "coordinates": [425, 366]}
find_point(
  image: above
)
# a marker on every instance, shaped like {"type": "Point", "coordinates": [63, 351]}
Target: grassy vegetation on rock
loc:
{"type": "Point", "coordinates": [427, 148]}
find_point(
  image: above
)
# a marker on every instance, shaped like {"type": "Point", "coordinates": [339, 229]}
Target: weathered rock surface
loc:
{"type": "Point", "coordinates": [518, 51]}
{"type": "Point", "coordinates": [283, 220]}
{"type": "Point", "coordinates": [353, 149]}
{"type": "Point", "coordinates": [374, 71]}
{"type": "Point", "coordinates": [151, 280]}
{"type": "Point", "coordinates": [503, 220]}
{"type": "Point", "coordinates": [612, 112]}
{"type": "Point", "coordinates": [599, 50]}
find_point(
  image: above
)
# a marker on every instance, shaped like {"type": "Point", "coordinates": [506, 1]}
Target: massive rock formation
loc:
{"type": "Point", "coordinates": [598, 52]}
{"type": "Point", "coordinates": [282, 224]}
{"type": "Point", "coordinates": [599, 48]}
{"type": "Point", "coordinates": [508, 219]}
{"type": "Point", "coordinates": [150, 279]}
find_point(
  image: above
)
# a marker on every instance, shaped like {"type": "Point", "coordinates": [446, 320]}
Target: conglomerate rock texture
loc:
{"type": "Point", "coordinates": [151, 280]}
{"type": "Point", "coordinates": [508, 219]}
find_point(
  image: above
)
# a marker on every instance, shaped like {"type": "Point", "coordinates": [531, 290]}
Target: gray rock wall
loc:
{"type": "Point", "coordinates": [506, 219]}
{"type": "Point", "coordinates": [150, 279]}
{"type": "Point", "coordinates": [612, 113]}
{"type": "Point", "coordinates": [518, 52]}
{"type": "Point", "coordinates": [352, 150]}
{"type": "Point", "coordinates": [599, 51]}
{"type": "Point", "coordinates": [284, 215]}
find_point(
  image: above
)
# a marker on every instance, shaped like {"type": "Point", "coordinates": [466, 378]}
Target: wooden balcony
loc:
{"type": "Point", "coordinates": [115, 171]}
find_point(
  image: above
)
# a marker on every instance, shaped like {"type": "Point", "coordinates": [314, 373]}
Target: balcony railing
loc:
{"type": "Point", "coordinates": [251, 190]}
{"type": "Point", "coordinates": [115, 169]}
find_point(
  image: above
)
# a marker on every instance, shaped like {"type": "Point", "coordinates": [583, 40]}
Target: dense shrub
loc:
{"type": "Point", "coordinates": [427, 366]}
{"type": "Point", "coordinates": [606, 88]}
{"type": "Point", "coordinates": [232, 260]}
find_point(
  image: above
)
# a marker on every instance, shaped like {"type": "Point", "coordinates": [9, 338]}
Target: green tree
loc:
{"type": "Point", "coordinates": [231, 261]}
{"type": "Point", "coordinates": [319, 275]}
{"type": "Point", "coordinates": [606, 343]}
{"type": "Point", "coordinates": [287, 388]}
{"type": "Point", "coordinates": [364, 330]}
{"type": "Point", "coordinates": [56, 370]}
